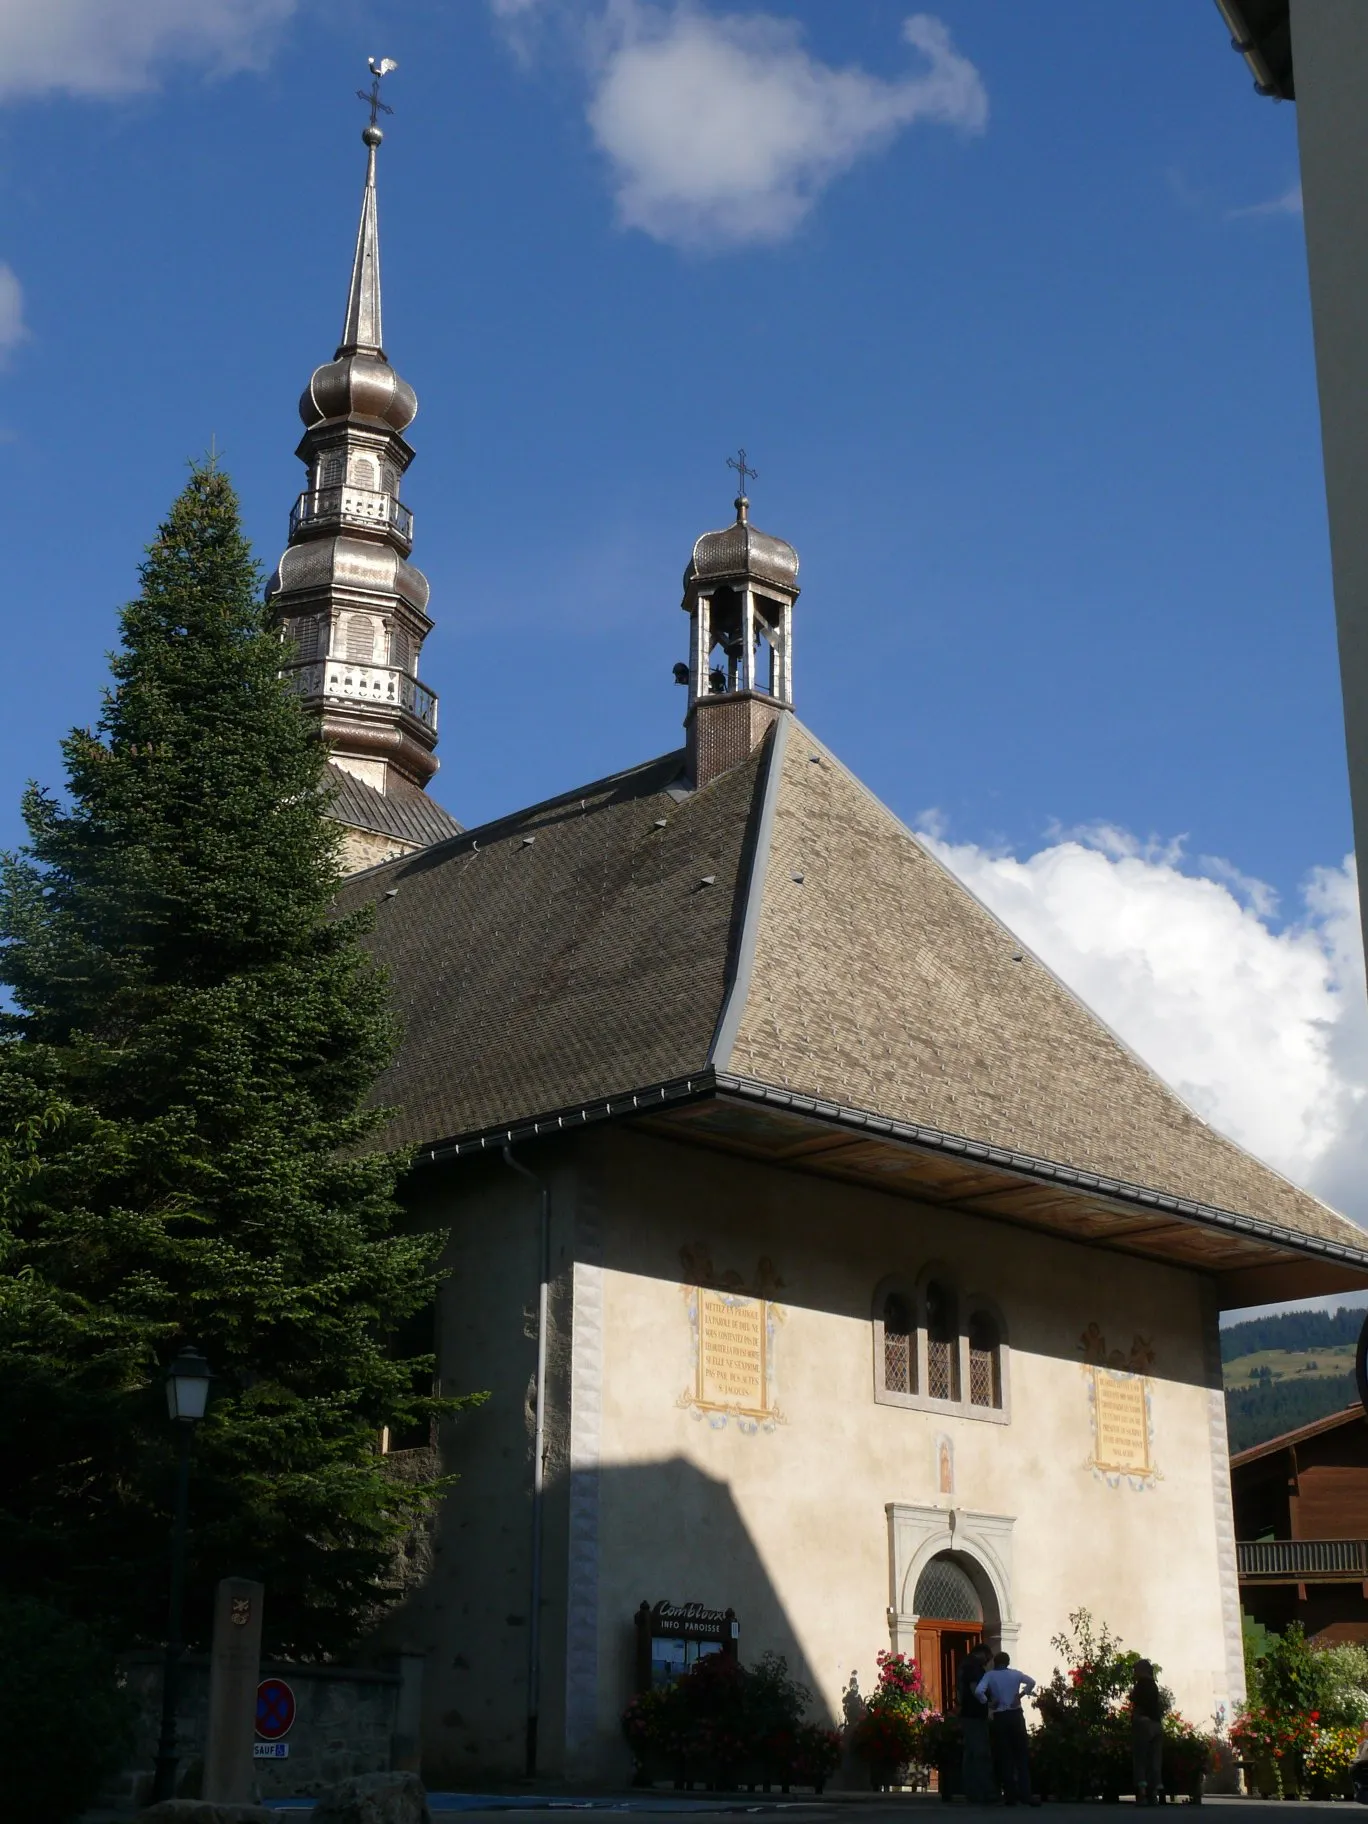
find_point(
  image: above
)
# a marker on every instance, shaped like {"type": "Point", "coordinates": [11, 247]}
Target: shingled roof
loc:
{"type": "Point", "coordinates": [403, 812]}
{"type": "Point", "coordinates": [777, 932]}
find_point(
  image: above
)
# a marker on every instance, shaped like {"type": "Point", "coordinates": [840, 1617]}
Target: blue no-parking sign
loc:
{"type": "Point", "coordinates": [275, 1710]}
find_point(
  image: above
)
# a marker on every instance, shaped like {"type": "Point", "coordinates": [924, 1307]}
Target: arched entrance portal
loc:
{"type": "Point", "coordinates": [950, 1621]}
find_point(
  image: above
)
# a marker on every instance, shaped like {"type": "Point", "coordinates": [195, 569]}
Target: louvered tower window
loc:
{"type": "Point", "coordinates": [360, 639]}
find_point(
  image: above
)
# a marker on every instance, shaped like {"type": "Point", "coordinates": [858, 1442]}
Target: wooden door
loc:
{"type": "Point", "coordinates": [941, 1649]}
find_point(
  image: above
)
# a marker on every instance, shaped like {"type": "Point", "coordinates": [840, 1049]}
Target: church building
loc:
{"type": "Point", "coordinates": [838, 1280]}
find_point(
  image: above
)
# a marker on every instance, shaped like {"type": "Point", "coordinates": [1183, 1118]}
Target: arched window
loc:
{"type": "Point", "coordinates": [363, 472]}
{"type": "Point", "coordinates": [985, 1360]}
{"type": "Point", "coordinates": [399, 649]}
{"type": "Point", "coordinates": [899, 1346]}
{"type": "Point", "coordinates": [942, 1342]}
{"type": "Point", "coordinates": [894, 1312]}
{"type": "Point", "coordinates": [332, 470]}
{"type": "Point", "coordinates": [938, 1350]}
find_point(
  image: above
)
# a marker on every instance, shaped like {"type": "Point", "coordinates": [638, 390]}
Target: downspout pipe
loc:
{"type": "Point", "coordinates": [534, 1594]}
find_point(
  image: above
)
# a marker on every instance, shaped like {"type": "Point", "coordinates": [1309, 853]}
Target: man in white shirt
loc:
{"type": "Point", "coordinates": [1003, 1689]}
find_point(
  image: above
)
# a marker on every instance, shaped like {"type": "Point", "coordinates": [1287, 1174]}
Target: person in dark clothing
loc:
{"type": "Point", "coordinates": [980, 1788]}
{"type": "Point", "coordinates": [1004, 1687]}
{"type": "Point", "coordinates": [1147, 1735]}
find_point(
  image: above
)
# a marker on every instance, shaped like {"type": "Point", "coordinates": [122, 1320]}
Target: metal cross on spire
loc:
{"type": "Point", "coordinates": [379, 66]}
{"type": "Point", "coordinates": [739, 463]}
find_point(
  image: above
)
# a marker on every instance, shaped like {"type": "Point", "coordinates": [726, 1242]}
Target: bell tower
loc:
{"type": "Point", "coordinates": [351, 607]}
{"type": "Point", "coordinates": [739, 591]}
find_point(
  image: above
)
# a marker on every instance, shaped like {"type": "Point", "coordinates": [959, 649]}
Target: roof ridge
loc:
{"type": "Point", "coordinates": [511, 818]}
{"type": "Point", "coordinates": [737, 990]}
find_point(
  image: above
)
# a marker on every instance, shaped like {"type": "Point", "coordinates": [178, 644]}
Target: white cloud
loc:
{"type": "Point", "coordinates": [1262, 1028]}
{"type": "Point", "coordinates": [722, 129]}
{"type": "Point", "coordinates": [116, 47]}
{"type": "Point", "coordinates": [1287, 202]}
{"type": "Point", "coordinates": [12, 329]}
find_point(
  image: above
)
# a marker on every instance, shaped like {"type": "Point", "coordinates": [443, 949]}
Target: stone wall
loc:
{"type": "Point", "coordinates": [349, 1720]}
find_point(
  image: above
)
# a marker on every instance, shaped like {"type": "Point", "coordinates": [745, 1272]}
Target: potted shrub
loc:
{"type": "Point", "coordinates": [816, 1755]}
{"type": "Point", "coordinates": [887, 1736]}
{"type": "Point", "coordinates": [1082, 1748]}
{"type": "Point", "coordinates": [1187, 1758]}
{"type": "Point", "coordinates": [728, 1725]}
{"type": "Point", "coordinates": [941, 1746]}
{"type": "Point", "coordinates": [1328, 1761]}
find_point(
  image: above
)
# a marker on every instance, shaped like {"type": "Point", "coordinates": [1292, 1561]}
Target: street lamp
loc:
{"type": "Point", "coordinates": [187, 1394]}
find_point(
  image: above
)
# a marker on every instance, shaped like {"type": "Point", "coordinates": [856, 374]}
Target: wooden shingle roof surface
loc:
{"type": "Point", "coordinates": [880, 982]}
{"type": "Point", "coordinates": [572, 951]}
{"type": "Point", "coordinates": [779, 926]}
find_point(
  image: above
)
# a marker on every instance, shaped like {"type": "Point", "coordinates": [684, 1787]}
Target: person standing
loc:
{"type": "Point", "coordinates": [1003, 1688]}
{"type": "Point", "coordinates": [980, 1788]}
{"type": "Point", "coordinates": [1147, 1735]}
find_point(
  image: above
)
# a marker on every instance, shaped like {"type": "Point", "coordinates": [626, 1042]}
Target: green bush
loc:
{"type": "Point", "coordinates": [65, 1723]}
{"type": "Point", "coordinates": [1343, 1673]}
{"type": "Point", "coordinates": [730, 1725]}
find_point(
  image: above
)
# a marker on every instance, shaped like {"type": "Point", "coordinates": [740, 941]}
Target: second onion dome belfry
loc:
{"type": "Point", "coordinates": [739, 591]}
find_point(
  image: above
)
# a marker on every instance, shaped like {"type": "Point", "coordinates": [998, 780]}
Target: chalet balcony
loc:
{"type": "Point", "coordinates": [345, 506]}
{"type": "Point", "coordinates": [1303, 1560]}
{"type": "Point", "coordinates": [385, 686]}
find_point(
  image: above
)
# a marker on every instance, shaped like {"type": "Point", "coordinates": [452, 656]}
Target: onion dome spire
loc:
{"type": "Point", "coordinates": [350, 605]}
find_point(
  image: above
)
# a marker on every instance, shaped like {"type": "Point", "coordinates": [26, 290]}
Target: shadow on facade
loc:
{"type": "Point", "coordinates": [469, 1617]}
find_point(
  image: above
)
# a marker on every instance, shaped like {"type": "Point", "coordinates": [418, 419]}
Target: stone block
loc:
{"type": "Point", "coordinates": [374, 1798]}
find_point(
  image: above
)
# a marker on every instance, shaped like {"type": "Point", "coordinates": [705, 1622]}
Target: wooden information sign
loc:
{"type": "Point", "coordinates": [672, 1636]}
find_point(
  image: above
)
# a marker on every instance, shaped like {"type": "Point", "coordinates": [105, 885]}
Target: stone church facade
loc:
{"type": "Point", "coordinates": [825, 1260]}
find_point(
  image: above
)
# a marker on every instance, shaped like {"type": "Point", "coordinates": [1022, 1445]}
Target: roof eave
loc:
{"type": "Point", "coordinates": [1271, 1446]}
{"type": "Point", "coordinates": [708, 1082]}
{"type": "Point", "coordinates": [1266, 46]}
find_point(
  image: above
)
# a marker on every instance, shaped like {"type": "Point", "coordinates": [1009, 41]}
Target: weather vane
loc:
{"type": "Point", "coordinates": [738, 462]}
{"type": "Point", "coordinates": [379, 66]}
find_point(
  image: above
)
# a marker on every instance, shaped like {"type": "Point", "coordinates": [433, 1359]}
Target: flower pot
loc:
{"type": "Point", "coordinates": [1266, 1781]}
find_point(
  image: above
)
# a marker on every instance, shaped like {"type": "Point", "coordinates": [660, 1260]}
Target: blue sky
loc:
{"type": "Point", "coordinates": [1008, 306]}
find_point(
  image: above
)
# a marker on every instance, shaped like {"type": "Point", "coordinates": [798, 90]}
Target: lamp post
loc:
{"type": "Point", "coordinates": [187, 1394]}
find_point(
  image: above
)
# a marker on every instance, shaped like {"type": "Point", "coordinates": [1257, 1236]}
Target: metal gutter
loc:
{"type": "Point", "coordinates": [1025, 1165]}
{"type": "Point", "coordinates": [734, 1001]}
{"type": "Point", "coordinates": [930, 1139]}
{"type": "Point", "coordinates": [1250, 47]}
{"type": "Point", "coordinates": [568, 1120]}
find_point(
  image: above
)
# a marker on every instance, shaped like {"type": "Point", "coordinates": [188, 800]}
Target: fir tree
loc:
{"type": "Point", "coordinates": [186, 1153]}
